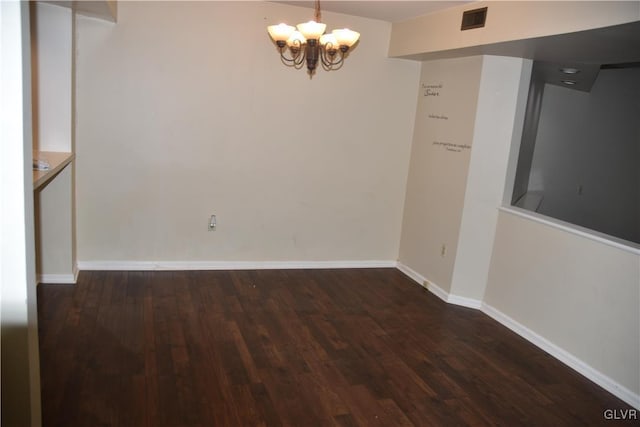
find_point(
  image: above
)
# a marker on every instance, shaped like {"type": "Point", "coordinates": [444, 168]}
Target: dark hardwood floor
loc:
{"type": "Point", "coordinates": [295, 347]}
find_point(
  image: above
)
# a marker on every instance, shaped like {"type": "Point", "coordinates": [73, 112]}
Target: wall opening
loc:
{"type": "Point", "coordinates": [579, 158]}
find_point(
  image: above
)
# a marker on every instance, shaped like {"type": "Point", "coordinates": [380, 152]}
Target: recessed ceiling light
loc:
{"type": "Point", "coordinates": [569, 82]}
{"type": "Point", "coordinates": [568, 70]}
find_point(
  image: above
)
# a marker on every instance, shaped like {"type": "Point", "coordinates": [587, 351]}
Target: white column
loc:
{"type": "Point", "coordinates": [20, 361]}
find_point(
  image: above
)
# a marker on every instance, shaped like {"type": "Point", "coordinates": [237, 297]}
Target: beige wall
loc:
{"type": "Point", "coordinates": [54, 230]}
{"type": "Point", "coordinates": [438, 173]}
{"type": "Point", "coordinates": [52, 98]}
{"type": "Point", "coordinates": [51, 35]}
{"type": "Point", "coordinates": [453, 192]}
{"type": "Point", "coordinates": [499, 116]}
{"type": "Point", "coordinates": [579, 294]}
{"type": "Point", "coordinates": [184, 110]}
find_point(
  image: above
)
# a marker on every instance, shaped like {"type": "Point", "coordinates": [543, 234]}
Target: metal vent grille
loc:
{"type": "Point", "coordinates": [473, 18]}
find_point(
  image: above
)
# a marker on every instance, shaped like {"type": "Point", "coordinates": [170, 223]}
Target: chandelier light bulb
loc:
{"type": "Point", "coordinates": [329, 42]}
{"type": "Point", "coordinates": [346, 37]}
{"type": "Point", "coordinates": [280, 32]}
{"type": "Point", "coordinates": [296, 39]}
{"type": "Point", "coordinates": [312, 30]}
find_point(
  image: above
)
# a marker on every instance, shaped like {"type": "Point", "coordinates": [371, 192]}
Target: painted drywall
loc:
{"type": "Point", "coordinates": [454, 190]}
{"type": "Point", "coordinates": [578, 293]}
{"type": "Point", "coordinates": [54, 228]}
{"type": "Point", "coordinates": [52, 57]}
{"type": "Point", "coordinates": [52, 101]}
{"type": "Point", "coordinates": [500, 107]}
{"type": "Point", "coordinates": [585, 161]}
{"type": "Point", "coordinates": [506, 21]}
{"type": "Point", "coordinates": [19, 319]}
{"type": "Point", "coordinates": [443, 134]}
{"type": "Point", "coordinates": [185, 110]}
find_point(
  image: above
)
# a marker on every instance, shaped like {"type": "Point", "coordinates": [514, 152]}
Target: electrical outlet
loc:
{"type": "Point", "coordinates": [212, 223]}
{"type": "Point", "coordinates": [443, 250]}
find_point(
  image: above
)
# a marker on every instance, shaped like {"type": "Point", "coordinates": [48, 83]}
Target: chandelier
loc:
{"type": "Point", "coordinates": [310, 44]}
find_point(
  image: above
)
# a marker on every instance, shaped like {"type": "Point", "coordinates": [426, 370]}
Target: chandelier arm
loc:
{"type": "Point", "coordinates": [297, 65]}
{"type": "Point", "coordinates": [300, 53]}
{"type": "Point", "coordinates": [297, 56]}
{"type": "Point", "coordinates": [285, 60]}
{"type": "Point", "coordinates": [300, 57]}
{"type": "Point", "coordinates": [328, 62]}
{"type": "Point", "coordinates": [295, 61]}
{"type": "Point", "coordinates": [332, 67]}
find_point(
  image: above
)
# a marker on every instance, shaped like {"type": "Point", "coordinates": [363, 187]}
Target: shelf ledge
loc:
{"type": "Point", "coordinates": [57, 162]}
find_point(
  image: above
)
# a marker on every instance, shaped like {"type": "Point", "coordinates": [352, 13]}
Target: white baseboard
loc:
{"type": "Point", "coordinates": [539, 341]}
{"type": "Point", "coordinates": [228, 265]}
{"type": "Point", "coordinates": [464, 301]}
{"type": "Point", "coordinates": [437, 290]}
{"type": "Point", "coordinates": [423, 281]}
{"type": "Point", "coordinates": [412, 274]}
{"type": "Point", "coordinates": [57, 279]}
{"type": "Point", "coordinates": [565, 357]}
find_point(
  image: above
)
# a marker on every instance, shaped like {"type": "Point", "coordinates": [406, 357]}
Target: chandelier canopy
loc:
{"type": "Point", "coordinates": [309, 43]}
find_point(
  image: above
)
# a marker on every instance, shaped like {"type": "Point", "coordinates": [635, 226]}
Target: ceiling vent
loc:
{"type": "Point", "coordinates": [473, 18]}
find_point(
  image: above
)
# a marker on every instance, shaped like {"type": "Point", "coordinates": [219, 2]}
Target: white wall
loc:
{"type": "Point", "coordinates": [184, 110]}
{"type": "Point", "coordinates": [499, 112]}
{"type": "Point", "coordinates": [585, 161]}
{"type": "Point", "coordinates": [19, 319]}
{"type": "Point", "coordinates": [52, 57]}
{"type": "Point", "coordinates": [54, 230]}
{"type": "Point", "coordinates": [52, 101]}
{"type": "Point", "coordinates": [577, 293]}
{"type": "Point", "coordinates": [453, 192]}
{"type": "Point", "coordinates": [438, 173]}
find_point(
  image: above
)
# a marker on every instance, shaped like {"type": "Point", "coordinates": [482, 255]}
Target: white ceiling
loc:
{"type": "Point", "coordinates": [385, 10]}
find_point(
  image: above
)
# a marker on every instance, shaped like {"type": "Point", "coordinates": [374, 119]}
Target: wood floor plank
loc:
{"type": "Point", "coordinates": [291, 348]}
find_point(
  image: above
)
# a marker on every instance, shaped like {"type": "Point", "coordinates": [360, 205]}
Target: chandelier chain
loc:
{"type": "Point", "coordinates": [318, 13]}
